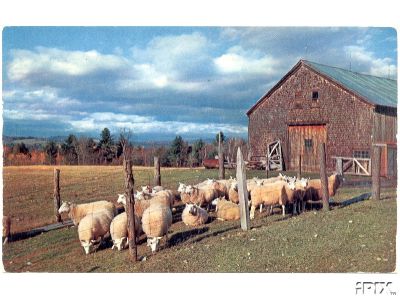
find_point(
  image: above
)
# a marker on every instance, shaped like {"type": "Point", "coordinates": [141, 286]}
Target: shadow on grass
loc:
{"type": "Point", "coordinates": [182, 236]}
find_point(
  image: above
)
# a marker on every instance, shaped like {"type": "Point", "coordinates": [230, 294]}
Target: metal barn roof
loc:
{"type": "Point", "coordinates": [375, 90]}
{"type": "Point", "coordinates": [378, 90]}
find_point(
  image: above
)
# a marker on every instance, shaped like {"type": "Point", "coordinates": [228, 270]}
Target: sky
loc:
{"type": "Point", "coordinates": [159, 82]}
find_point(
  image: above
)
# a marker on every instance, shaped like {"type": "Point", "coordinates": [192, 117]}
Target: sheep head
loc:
{"type": "Point", "coordinates": [90, 246]}
{"type": "Point", "coordinates": [121, 199]}
{"type": "Point", "coordinates": [65, 207]}
{"type": "Point", "coordinates": [303, 182]}
{"type": "Point", "coordinates": [234, 186]}
{"type": "Point", "coordinates": [189, 189]}
{"type": "Point", "coordinates": [146, 189]}
{"type": "Point", "coordinates": [139, 195]}
{"type": "Point", "coordinates": [154, 243]}
{"type": "Point", "coordinates": [210, 181]}
{"type": "Point", "coordinates": [192, 209]}
{"type": "Point", "coordinates": [120, 243]}
{"type": "Point", "coordinates": [181, 187]}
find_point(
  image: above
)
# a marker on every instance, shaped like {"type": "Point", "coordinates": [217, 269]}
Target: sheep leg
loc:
{"type": "Point", "coordinates": [295, 208]}
{"type": "Point", "coordinates": [252, 211]}
{"type": "Point", "coordinates": [261, 207]}
{"type": "Point", "coordinates": [283, 210]}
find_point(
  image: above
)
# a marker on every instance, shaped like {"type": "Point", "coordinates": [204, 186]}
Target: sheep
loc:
{"type": "Point", "coordinates": [269, 195]}
{"type": "Point", "coordinates": [166, 196]}
{"type": "Point", "coordinates": [140, 204]}
{"type": "Point", "coordinates": [314, 188]}
{"type": "Point", "coordinates": [156, 221]}
{"type": "Point", "coordinates": [119, 230]}
{"type": "Point", "coordinates": [93, 228]}
{"type": "Point", "coordinates": [252, 183]}
{"type": "Point", "coordinates": [233, 194]}
{"type": "Point", "coordinates": [194, 215]}
{"type": "Point", "coordinates": [184, 195]}
{"type": "Point", "coordinates": [220, 188]}
{"type": "Point", "coordinates": [205, 183]}
{"type": "Point", "coordinates": [151, 190]}
{"type": "Point", "coordinates": [226, 210]}
{"type": "Point", "coordinates": [78, 211]}
{"type": "Point", "coordinates": [201, 196]}
{"type": "Point", "coordinates": [295, 191]}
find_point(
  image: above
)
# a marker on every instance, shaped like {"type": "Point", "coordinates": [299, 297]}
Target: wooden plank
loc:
{"type": "Point", "coordinates": [242, 191]}
{"type": "Point", "coordinates": [130, 208]}
{"type": "Point", "coordinates": [376, 167]}
{"type": "Point", "coordinates": [221, 169]}
{"type": "Point", "coordinates": [324, 178]}
{"type": "Point", "coordinates": [362, 168]}
{"type": "Point", "coordinates": [56, 193]}
{"type": "Point", "coordinates": [157, 172]}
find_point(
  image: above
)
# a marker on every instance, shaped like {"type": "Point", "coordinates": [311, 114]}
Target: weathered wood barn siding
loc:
{"type": "Point", "coordinates": [349, 121]}
{"type": "Point", "coordinates": [385, 125]}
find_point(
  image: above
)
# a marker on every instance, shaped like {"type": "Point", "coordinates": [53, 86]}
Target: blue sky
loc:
{"type": "Point", "coordinates": [163, 81]}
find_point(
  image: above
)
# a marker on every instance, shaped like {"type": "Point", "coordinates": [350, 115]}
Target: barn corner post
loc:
{"type": "Point", "coordinates": [324, 178]}
{"type": "Point", "coordinates": [130, 208]}
{"type": "Point", "coordinates": [242, 190]}
{"type": "Point", "coordinates": [221, 173]}
{"type": "Point", "coordinates": [56, 193]}
{"type": "Point", "coordinates": [299, 167]}
{"type": "Point", "coordinates": [376, 169]}
{"type": "Point", "coordinates": [157, 172]}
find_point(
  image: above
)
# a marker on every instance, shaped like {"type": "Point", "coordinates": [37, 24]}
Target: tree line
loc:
{"type": "Point", "coordinates": [108, 150]}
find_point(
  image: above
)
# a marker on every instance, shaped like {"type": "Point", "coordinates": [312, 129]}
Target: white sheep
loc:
{"type": "Point", "coordinates": [78, 211]}
{"type": "Point", "coordinates": [156, 221]}
{"type": "Point", "coordinates": [119, 230]}
{"type": "Point", "coordinates": [140, 204]}
{"type": "Point", "coordinates": [194, 215]}
{"type": "Point", "coordinates": [233, 194]}
{"type": "Point", "coordinates": [93, 228]}
{"type": "Point", "coordinates": [201, 196]}
{"type": "Point", "coordinates": [226, 210]}
{"type": "Point", "coordinates": [269, 195]}
{"type": "Point", "coordinates": [184, 195]}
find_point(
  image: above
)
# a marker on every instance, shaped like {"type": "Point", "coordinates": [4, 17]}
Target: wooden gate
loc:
{"type": "Point", "coordinates": [304, 140]}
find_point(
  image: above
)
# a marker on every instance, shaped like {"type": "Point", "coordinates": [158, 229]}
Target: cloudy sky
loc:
{"type": "Point", "coordinates": [163, 81]}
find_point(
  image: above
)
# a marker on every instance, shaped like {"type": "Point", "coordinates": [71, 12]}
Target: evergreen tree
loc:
{"type": "Point", "coordinates": [51, 151]}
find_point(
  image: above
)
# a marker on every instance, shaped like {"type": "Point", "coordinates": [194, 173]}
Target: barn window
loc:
{"type": "Point", "coordinates": [315, 95]}
{"type": "Point", "coordinates": [361, 154]}
{"type": "Point", "coordinates": [308, 144]}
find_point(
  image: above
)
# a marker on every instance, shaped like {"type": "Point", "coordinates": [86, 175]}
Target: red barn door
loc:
{"type": "Point", "coordinates": [304, 140]}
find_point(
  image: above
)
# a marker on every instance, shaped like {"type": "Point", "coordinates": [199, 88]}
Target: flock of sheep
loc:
{"type": "Point", "coordinates": [154, 206]}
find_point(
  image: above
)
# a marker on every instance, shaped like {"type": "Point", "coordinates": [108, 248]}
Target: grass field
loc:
{"type": "Point", "coordinates": [357, 238]}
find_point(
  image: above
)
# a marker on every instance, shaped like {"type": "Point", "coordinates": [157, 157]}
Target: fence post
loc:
{"type": "Point", "coordinates": [56, 193]}
{"type": "Point", "coordinates": [6, 229]}
{"type": "Point", "coordinates": [267, 167]}
{"type": "Point", "coordinates": [130, 208]}
{"type": "Point", "coordinates": [376, 170]}
{"type": "Point", "coordinates": [242, 190]}
{"type": "Point", "coordinates": [339, 166]}
{"type": "Point", "coordinates": [299, 169]}
{"type": "Point", "coordinates": [221, 174]}
{"type": "Point", "coordinates": [324, 178]}
{"type": "Point", "coordinates": [157, 173]}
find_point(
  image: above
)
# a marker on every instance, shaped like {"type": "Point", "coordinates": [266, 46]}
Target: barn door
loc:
{"type": "Point", "coordinates": [304, 140]}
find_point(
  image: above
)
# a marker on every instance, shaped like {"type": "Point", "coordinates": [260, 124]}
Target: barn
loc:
{"type": "Point", "coordinates": [315, 103]}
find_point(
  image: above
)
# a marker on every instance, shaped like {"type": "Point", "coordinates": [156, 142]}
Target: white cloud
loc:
{"type": "Point", "coordinates": [238, 60]}
{"type": "Point", "coordinates": [26, 114]}
{"type": "Point", "coordinates": [43, 96]}
{"type": "Point", "coordinates": [369, 63]}
{"type": "Point", "coordinates": [143, 124]}
{"type": "Point", "coordinates": [27, 63]}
